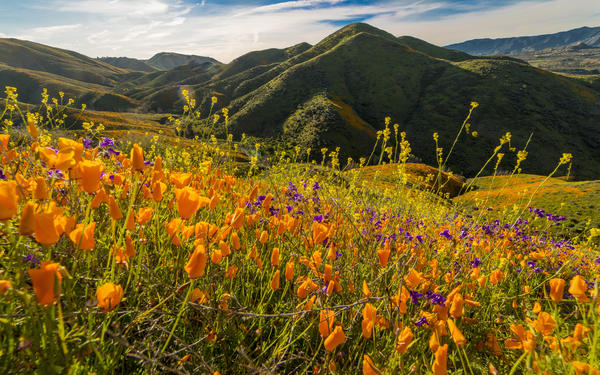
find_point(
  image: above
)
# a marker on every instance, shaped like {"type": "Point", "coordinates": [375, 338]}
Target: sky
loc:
{"type": "Point", "coordinates": [226, 29]}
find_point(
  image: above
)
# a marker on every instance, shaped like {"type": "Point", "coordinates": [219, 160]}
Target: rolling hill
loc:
{"type": "Point", "coordinates": [487, 46]}
{"type": "Point", "coordinates": [338, 92]}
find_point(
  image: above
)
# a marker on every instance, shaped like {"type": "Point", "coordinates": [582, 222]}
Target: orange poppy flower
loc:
{"type": "Point", "coordinates": [578, 288]}
{"type": "Point", "coordinates": [45, 228]}
{"type": "Point", "coordinates": [439, 364]}
{"type": "Point", "coordinates": [456, 334]}
{"type": "Point", "coordinates": [383, 255]}
{"type": "Point", "coordinates": [327, 271]}
{"type": "Point", "coordinates": [82, 237]}
{"type": "Point", "coordinates": [198, 296]}
{"type": "Point", "coordinates": [369, 314]}
{"type": "Point", "coordinates": [109, 295]}
{"type": "Point", "coordinates": [27, 222]}
{"type": "Point", "coordinates": [496, 277]}
{"type": "Point", "coordinates": [238, 218]}
{"type": "Point", "coordinates": [456, 308]}
{"type": "Point", "coordinates": [264, 237]}
{"type": "Point", "coordinates": [188, 202]}
{"type": "Point", "coordinates": [413, 279]}
{"type": "Point", "coordinates": [63, 159]}
{"type": "Point", "coordinates": [289, 270]}
{"type": "Point", "coordinates": [65, 143]}
{"type": "Point", "coordinates": [41, 189]}
{"type": "Point", "coordinates": [544, 324]}
{"type": "Point", "coordinates": [114, 209]}
{"type": "Point", "coordinates": [326, 321]}
{"type": "Point", "coordinates": [4, 286]}
{"type": "Point", "coordinates": [275, 281]}
{"type": "Point", "coordinates": [336, 338]}
{"type": "Point", "coordinates": [90, 172]}
{"type": "Point", "coordinates": [305, 288]}
{"type": "Point", "coordinates": [275, 257]}
{"type": "Point", "coordinates": [137, 158]}
{"type": "Point", "coordinates": [4, 142]}
{"type": "Point", "coordinates": [99, 198]}
{"type": "Point", "coordinates": [144, 215]}
{"type": "Point", "coordinates": [404, 340]}
{"type": "Point", "coordinates": [368, 366]}
{"type": "Point", "coordinates": [43, 282]}
{"type": "Point", "coordinates": [181, 179]}
{"type": "Point", "coordinates": [216, 257]}
{"type": "Point", "coordinates": [557, 289]}
{"type": "Point", "coordinates": [235, 241]}
{"type": "Point", "coordinates": [197, 264]}
{"type": "Point", "coordinates": [158, 189]}
{"type": "Point", "coordinates": [9, 198]}
{"type": "Point", "coordinates": [319, 232]}
{"type": "Point", "coordinates": [32, 129]}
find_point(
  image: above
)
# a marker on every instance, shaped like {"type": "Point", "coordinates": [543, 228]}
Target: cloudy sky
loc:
{"type": "Point", "coordinates": [226, 29]}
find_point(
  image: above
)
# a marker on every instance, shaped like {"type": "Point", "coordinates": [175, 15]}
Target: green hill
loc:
{"type": "Point", "coordinates": [338, 92]}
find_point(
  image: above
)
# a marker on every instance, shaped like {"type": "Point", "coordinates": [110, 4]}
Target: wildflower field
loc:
{"type": "Point", "coordinates": [180, 257]}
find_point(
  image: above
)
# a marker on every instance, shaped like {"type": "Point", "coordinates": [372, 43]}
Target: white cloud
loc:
{"type": "Point", "coordinates": [141, 28]}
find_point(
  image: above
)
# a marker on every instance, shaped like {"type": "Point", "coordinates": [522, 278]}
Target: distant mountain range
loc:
{"type": "Point", "coordinates": [158, 62]}
{"type": "Point", "coordinates": [338, 92]}
{"type": "Point", "coordinates": [589, 36]}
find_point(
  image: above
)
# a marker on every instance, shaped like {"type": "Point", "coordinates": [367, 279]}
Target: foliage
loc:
{"type": "Point", "coordinates": [118, 258]}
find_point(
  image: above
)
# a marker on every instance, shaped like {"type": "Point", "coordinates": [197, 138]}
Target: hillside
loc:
{"type": "Point", "coordinates": [334, 94]}
{"type": "Point", "coordinates": [486, 46]}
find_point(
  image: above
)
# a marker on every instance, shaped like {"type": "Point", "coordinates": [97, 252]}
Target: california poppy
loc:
{"type": "Point", "coordinates": [369, 314]}
{"type": "Point", "coordinates": [275, 257]}
{"type": "Point", "coordinates": [90, 172]}
{"type": "Point", "coordinates": [114, 209]}
{"type": "Point", "coordinates": [83, 237]}
{"type": "Point", "coordinates": [456, 334]}
{"type": "Point", "coordinates": [197, 263]}
{"type": "Point", "coordinates": [326, 321]}
{"type": "Point", "coordinates": [27, 222]}
{"type": "Point", "coordinates": [9, 197]}
{"type": "Point", "coordinates": [144, 215]}
{"type": "Point", "coordinates": [41, 189]}
{"type": "Point", "coordinates": [63, 159]}
{"type": "Point", "coordinates": [456, 308]}
{"type": "Point", "coordinates": [557, 289]}
{"type": "Point", "coordinates": [137, 158]}
{"type": "Point", "coordinates": [43, 282]}
{"type": "Point", "coordinates": [275, 281]}
{"type": "Point", "coordinates": [439, 364]}
{"type": "Point", "coordinates": [336, 338]}
{"type": "Point", "coordinates": [368, 366]}
{"type": "Point", "coordinates": [4, 286]}
{"type": "Point", "coordinates": [109, 295]}
{"type": "Point", "coordinates": [544, 323]}
{"type": "Point", "coordinates": [45, 228]}
{"type": "Point", "coordinates": [404, 340]}
{"type": "Point", "coordinates": [188, 202]}
{"type": "Point", "coordinates": [289, 270]}
{"type": "Point", "coordinates": [578, 288]}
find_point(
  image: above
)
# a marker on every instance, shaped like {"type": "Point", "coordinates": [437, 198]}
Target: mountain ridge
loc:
{"type": "Point", "coordinates": [489, 46]}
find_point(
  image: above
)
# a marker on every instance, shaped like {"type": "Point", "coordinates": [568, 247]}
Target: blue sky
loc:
{"type": "Point", "coordinates": [226, 29]}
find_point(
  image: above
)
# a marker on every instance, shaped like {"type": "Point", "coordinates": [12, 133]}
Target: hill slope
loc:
{"type": "Point", "coordinates": [587, 35]}
{"type": "Point", "coordinates": [338, 92]}
{"type": "Point", "coordinates": [333, 94]}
